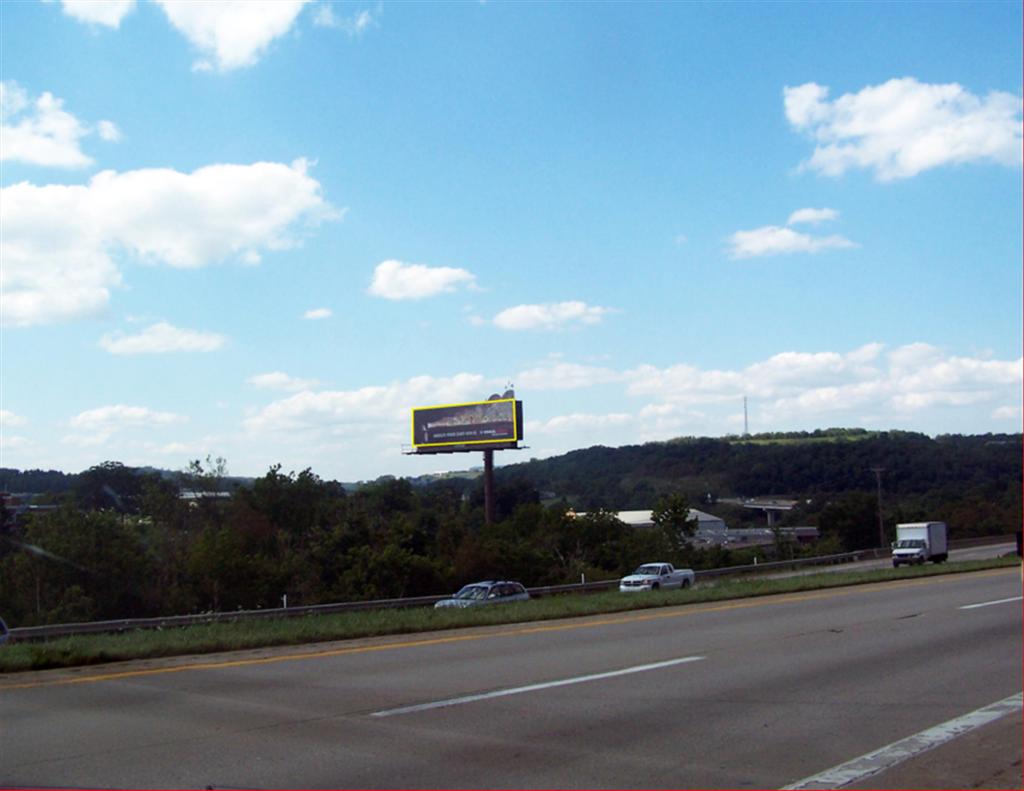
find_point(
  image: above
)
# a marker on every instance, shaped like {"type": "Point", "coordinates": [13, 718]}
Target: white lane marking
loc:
{"type": "Point", "coordinates": [438, 704]}
{"type": "Point", "coordinates": [989, 603]}
{"type": "Point", "coordinates": [874, 762]}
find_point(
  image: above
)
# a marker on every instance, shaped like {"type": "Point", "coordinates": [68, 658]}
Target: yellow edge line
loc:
{"type": "Point", "coordinates": [671, 612]}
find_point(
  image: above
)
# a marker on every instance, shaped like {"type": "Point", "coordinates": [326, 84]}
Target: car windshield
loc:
{"type": "Point", "coordinates": [472, 592]}
{"type": "Point", "coordinates": [910, 543]}
{"type": "Point", "coordinates": [648, 570]}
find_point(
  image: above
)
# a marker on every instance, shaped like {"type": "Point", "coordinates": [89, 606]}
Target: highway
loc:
{"type": "Point", "coordinates": [983, 552]}
{"type": "Point", "coordinates": [761, 693]}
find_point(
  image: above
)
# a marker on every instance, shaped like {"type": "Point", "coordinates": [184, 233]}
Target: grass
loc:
{"type": "Point", "coordinates": [81, 650]}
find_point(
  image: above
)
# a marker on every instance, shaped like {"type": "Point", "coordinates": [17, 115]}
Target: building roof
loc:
{"type": "Point", "coordinates": [646, 518]}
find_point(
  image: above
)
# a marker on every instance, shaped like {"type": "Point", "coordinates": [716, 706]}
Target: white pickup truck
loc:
{"type": "Point", "coordinates": [656, 576]}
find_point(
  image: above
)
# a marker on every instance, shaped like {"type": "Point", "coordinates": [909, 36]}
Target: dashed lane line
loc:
{"type": "Point", "coordinates": [879, 760]}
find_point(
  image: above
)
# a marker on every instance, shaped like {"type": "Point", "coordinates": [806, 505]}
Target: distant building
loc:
{"type": "Point", "coordinates": [706, 523]}
{"type": "Point", "coordinates": [193, 497]}
{"type": "Point", "coordinates": [19, 505]}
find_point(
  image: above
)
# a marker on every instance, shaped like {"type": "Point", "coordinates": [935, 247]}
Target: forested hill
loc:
{"type": "Point", "coordinates": [919, 471]}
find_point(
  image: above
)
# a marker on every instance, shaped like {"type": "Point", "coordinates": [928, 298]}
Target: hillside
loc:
{"type": "Point", "coordinates": [921, 474]}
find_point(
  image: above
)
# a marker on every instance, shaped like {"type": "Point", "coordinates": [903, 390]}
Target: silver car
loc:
{"type": "Point", "coordinates": [487, 592]}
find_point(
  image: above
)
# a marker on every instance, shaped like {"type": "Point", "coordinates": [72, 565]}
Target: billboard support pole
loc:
{"type": "Point", "coordinates": [488, 486]}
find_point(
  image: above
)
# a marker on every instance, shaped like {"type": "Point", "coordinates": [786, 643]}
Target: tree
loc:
{"type": "Point", "coordinates": [853, 517]}
{"type": "Point", "coordinates": [671, 516]}
{"type": "Point", "coordinates": [209, 478]}
{"type": "Point", "coordinates": [110, 485]}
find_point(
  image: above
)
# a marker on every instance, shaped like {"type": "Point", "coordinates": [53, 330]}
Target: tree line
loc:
{"type": "Point", "coordinates": [123, 542]}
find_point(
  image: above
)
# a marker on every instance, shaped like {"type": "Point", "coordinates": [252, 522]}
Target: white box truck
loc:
{"type": "Point", "coordinates": [919, 542]}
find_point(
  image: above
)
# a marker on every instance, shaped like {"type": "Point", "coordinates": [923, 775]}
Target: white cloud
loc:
{"type": "Point", "coordinates": [918, 387]}
{"type": "Point", "coordinates": [775, 240]}
{"type": "Point", "coordinates": [563, 424]}
{"type": "Point", "coordinates": [377, 411]}
{"type": "Point", "coordinates": [59, 240]}
{"type": "Point", "coordinates": [108, 131]}
{"type": "Point", "coordinates": [41, 132]}
{"type": "Point", "coordinates": [354, 25]}
{"type": "Point", "coordinates": [233, 33]}
{"type": "Point", "coordinates": [99, 12]}
{"type": "Point", "coordinates": [904, 127]}
{"type": "Point", "coordinates": [317, 313]}
{"type": "Point", "coordinates": [97, 426]}
{"type": "Point", "coordinates": [13, 99]}
{"type": "Point", "coordinates": [811, 387]}
{"type": "Point", "coordinates": [395, 280]}
{"type": "Point", "coordinates": [549, 316]}
{"type": "Point", "coordinates": [812, 216]}
{"type": "Point", "coordinates": [281, 381]}
{"type": "Point", "coordinates": [162, 338]}
{"type": "Point", "coordinates": [9, 419]}
{"type": "Point", "coordinates": [780, 375]}
{"type": "Point", "coordinates": [356, 432]}
{"type": "Point", "coordinates": [565, 376]}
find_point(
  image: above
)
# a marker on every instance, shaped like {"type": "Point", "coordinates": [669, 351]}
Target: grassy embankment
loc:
{"type": "Point", "coordinates": [230, 636]}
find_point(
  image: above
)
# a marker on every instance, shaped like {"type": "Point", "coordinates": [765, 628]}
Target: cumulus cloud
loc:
{"type": "Point", "coordinates": [59, 240]}
{"type": "Point", "coordinates": [813, 386]}
{"type": "Point", "coordinates": [549, 316]}
{"type": "Point", "coordinates": [353, 25]}
{"type": "Point", "coordinates": [163, 338]}
{"type": "Point", "coordinates": [565, 376]}
{"type": "Point", "coordinates": [97, 426]}
{"type": "Point", "coordinates": [779, 375]}
{"type": "Point", "coordinates": [317, 313]}
{"type": "Point", "coordinates": [108, 131]}
{"type": "Point", "coordinates": [9, 419]}
{"type": "Point", "coordinates": [776, 240]}
{"type": "Point", "coordinates": [904, 127]}
{"type": "Point", "coordinates": [563, 424]}
{"type": "Point", "coordinates": [914, 386]}
{"type": "Point", "coordinates": [231, 34]}
{"type": "Point", "coordinates": [281, 381]}
{"type": "Point", "coordinates": [812, 216]}
{"type": "Point", "coordinates": [1007, 413]}
{"type": "Point", "coordinates": [41, 132]}
{"type": "Point", "coordinates": [378, 411]}
{"type": "Point", "coordinates": [99, 12]}
{"type": "Point", "coordinates": [395, 280]}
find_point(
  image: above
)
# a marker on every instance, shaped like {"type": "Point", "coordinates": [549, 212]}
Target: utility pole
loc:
{"type": "Point", "coordinates": [488, 487]}
{"type": "Point", "coordinates": [881, 527]}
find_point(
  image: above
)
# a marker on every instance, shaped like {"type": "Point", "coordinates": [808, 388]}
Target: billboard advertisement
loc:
{"type": "Point", "coordinates": [476, 426]}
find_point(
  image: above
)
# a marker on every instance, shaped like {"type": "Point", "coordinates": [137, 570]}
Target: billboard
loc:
{"type": "Point", "coordinates": [481, 425]}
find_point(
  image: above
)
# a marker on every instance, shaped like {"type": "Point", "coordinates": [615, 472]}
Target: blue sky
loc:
{"type": "Point", "coordinates": [266, 231]}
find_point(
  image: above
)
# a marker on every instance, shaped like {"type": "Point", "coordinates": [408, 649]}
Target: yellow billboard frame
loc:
{"type": "Point", "coordinates": [515, 425]}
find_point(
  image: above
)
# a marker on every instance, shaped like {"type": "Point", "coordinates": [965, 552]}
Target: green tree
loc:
{"type": "Point", "coordinates": [671, 516]}
{"type": "Point", "coordinates": [853, 517]}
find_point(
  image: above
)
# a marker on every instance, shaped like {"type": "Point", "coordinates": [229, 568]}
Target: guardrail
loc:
{"type": "Point", "coordinates": [28, 633]}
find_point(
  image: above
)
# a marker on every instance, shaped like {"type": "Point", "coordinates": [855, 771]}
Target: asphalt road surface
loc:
{"type": "Point", "coordinates": [761, 693]}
